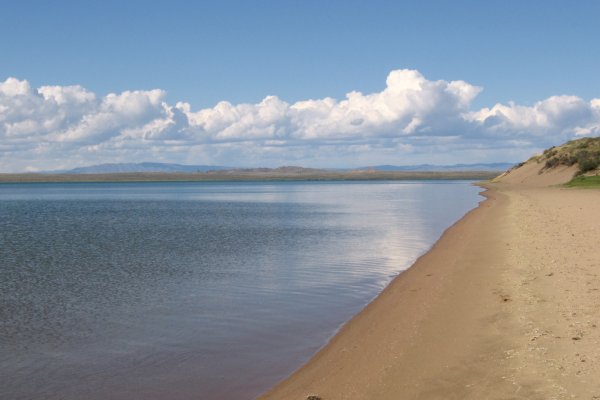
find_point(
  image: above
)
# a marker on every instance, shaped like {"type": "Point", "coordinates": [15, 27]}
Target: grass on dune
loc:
{"type": "Point", "coordinates": [583, 152]}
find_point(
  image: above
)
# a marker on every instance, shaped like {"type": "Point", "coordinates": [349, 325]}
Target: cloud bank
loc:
{"type": "Point", "coordinates": [412, 120]}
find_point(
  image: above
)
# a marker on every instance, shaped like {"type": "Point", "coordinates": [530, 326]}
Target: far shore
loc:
{"type": "Point", "coordinates": [217, 176]}
{"type": "Point", "coordinates": [506, 305]}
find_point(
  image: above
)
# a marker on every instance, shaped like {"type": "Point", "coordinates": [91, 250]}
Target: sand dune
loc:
{"type": "Point", "coordinates": [506, 305]}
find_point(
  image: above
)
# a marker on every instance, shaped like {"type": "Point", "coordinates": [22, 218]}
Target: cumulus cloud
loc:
{"type": "Point", "coordinates": [555, 115]}
{"type": "Point", "coordinates": [411, 120]}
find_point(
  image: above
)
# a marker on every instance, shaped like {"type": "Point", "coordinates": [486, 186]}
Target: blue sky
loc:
{"type": "Point", "coordinates": [200, 53]}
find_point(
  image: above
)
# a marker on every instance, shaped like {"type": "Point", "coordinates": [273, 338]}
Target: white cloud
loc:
{"type": "Point", "coordinates": [555, 115]}
{"type": "Point", "coordinates": [411, 120]}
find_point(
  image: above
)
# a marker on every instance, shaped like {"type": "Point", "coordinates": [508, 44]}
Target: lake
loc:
{"type": "Point", "coordinates": [196, 290]}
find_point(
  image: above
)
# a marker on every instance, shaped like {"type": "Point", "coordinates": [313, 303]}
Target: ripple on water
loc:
{"type": "Point", "coordinates": [128, 291]}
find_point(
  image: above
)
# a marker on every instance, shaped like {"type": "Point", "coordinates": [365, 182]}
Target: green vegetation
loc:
{"type": "Point", "coordinates": [585, 181]}
{"type": "Point", "coordinates": [583, 152]}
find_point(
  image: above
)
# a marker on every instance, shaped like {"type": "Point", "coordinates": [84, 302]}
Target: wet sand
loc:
{"type": "Point", "coordinates": [506, 305]}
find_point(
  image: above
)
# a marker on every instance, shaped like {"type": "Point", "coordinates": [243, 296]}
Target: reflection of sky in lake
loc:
{"type": "Point", "coordinates": [167, 290]}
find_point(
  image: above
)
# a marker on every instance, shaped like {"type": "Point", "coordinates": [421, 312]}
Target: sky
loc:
{"type": "Point", "coordinates": [311, 83]}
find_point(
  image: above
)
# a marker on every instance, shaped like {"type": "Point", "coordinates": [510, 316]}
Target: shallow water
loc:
{"type": "Point", "coordinates": [195, 290]}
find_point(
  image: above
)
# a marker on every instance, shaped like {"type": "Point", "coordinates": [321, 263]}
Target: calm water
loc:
{"type": "Point", "coordinates": [195, 290]}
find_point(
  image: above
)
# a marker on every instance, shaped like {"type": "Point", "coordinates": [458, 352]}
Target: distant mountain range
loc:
{"type": "Point", "coordinates": [140, 167]}
{"type": "Point", "coordinates": [179, 168]}
{"type": "Point", "coordinates": [436, 168]}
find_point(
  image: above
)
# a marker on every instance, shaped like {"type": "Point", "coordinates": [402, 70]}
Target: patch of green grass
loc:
{"type": "Point", "coordinates": [585, 182]}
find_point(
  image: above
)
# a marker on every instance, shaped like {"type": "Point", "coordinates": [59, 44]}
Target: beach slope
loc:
{"type": "Point", "coordinates": [506, 305]}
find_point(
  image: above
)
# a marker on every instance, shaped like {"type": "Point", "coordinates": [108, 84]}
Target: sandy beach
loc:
{"type": "Point", "coordinates": [506, 305]}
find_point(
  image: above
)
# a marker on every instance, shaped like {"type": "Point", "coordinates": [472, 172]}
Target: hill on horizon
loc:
{"type": "Point", "coordinates": [112, 168]}
{"type": "Point", "coordinates": [441, 168]}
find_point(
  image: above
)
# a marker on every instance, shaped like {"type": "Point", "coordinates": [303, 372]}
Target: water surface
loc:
{"type": "Point", "coordinates": [195, 290]}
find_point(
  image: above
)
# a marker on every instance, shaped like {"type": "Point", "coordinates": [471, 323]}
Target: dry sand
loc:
{"type": "Point", "coordinates": [506, 305]}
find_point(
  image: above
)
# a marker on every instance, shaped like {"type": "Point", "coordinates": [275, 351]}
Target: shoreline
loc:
{"type": "Point", "coordinates": [467, 320]}
{"type": "Point", "coordinates": [299, 385]}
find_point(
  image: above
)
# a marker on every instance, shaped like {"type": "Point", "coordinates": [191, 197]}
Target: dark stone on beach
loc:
{"type": "Point", "coordinates": [312, 397]}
